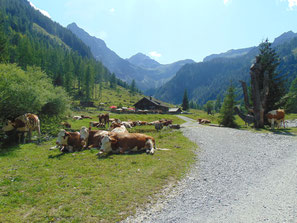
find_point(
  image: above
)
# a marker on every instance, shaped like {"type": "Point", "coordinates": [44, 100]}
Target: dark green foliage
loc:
{"type": "Point", "coordinates": [291, 104]}
{"type": "Point", "coordinates": [113, 81]}
{"type": "Point", "coordinates": [218, 103]}
{"type": "Point", "coordinates": [29, 91]}
{"type": "Point", "coordinates": [209, 107]}
{"type": "Point", "coordinates": [269, 62]}
{"type": "Point", "coordinates": [227, 117]}
{"type": "Point", "coordinates": [185, 104]}
{"type": "Point", "coordinates": [133, 88]}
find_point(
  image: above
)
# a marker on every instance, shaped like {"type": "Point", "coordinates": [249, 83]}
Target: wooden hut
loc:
{"type": "Point", "coordinates": [151, 104]}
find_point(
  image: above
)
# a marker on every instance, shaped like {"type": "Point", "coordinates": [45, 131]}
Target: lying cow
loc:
{"type": "Point", "coordinates": [69, 141]}
{"type": "Point", "coordinates": [66, 124]}
{"type": "Point", "coordinates": [23, 125]}
{"type": "Point", "coordinates": [116, 142]}
{"type": "Point", "coordinates": [91, 138]}
{"type": "Point", "coordinates": [121, 128]}
{"type": "Point", "coordinates": [97, 124]}
{"type": "Point", "coordinates": [86, 117]}
{"type": "Point", "coordinates": [203, 121]}
{"type": "Point", "coordinates": [276, 116]}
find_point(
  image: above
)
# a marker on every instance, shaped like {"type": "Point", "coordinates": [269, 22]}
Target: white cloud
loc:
{"type": "Point", "coordinates": [155, 54]}
{"type": "Point", "coordinates": [40, 10]}
{"type": "Point", "coordinates": [112, 10]}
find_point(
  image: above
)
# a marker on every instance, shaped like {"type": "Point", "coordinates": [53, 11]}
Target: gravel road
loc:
{"type": "Point", "coordinates": [239, 176]}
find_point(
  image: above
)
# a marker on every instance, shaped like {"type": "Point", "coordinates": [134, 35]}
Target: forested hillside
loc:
{"type": "Point", "coordinates": [206, 80]}
{"type": "Point", "coordinates": [32, 39]}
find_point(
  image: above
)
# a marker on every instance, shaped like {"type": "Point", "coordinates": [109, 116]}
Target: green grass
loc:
{"type": "Point", "coordinates": [42, 185]}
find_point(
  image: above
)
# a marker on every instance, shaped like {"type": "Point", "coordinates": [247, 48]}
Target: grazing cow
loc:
{"type": "Point", "coordinates": [277, 116]}
{"type": "Point", "coordinates": [66, 125]}
{"type": "Point", "coordinates": [69, 141]}
{"type": "Point", "coordinates": [203, 121]}
{"type": "Point", "coordinates": [126, 142]}
{"type": "Point", "coordinates": [104, 118]}
{"type": "Point", "coordinates": [24, 125]}
{"type": "Point", "coordinates": [91, 138]}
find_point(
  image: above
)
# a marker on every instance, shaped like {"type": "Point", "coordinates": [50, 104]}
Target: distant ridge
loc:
{"type": "Point", "coordinates": [147, 73]}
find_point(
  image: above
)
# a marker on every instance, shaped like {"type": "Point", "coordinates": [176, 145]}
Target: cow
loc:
{"type": "Point", "coordinates": [91, 138]}
{"type": "Point", "coordinates": [69, 141]}
{"type": "Point", "coordinates": [77, 117]}
{"type": "Point", "coordinates": [116, 142]}
{"type": "Point", "coordinates": [166, 122]}
{"type": "Point", "coordinates": [104, 118]}
{"type": "Point", "coordinates": [277, 116]}
{"type": "Point", "coordinates": [23, 125]}
{"type": "Point", "coordinates": [127, 125]}
{"type": "Point", "coordinates": [120, 128]}
{"type": "Point", "coordinates": [203, 121]}
{"type": "Point", "coordinates": [97, 124]}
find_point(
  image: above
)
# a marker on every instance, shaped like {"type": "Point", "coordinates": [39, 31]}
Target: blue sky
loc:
{"type": "Point", "coordinates": [171, 30]}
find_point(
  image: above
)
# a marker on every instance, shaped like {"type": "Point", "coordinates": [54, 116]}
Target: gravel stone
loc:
{"type": "Point", "coordinates": [239, 176]}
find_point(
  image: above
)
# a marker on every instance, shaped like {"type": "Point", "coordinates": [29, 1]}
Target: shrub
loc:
{"type": "Point", "coordinates": [29, 91]}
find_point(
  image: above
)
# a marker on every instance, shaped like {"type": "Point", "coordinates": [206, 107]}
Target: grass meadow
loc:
{"type": "Point", "coordinates": [42, 185]}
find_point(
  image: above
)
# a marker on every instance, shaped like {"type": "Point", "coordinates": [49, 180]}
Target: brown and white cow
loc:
{"type": "Point", "coordinates": [121, 142]}
{"type": "Point", "coordinates": [276, 116]}
{"type": "Point", "coordinates": [91, 138]}
{"type": "Point", "coordinates": [24, 125]}
{"type": "Point", "coordinates": [203, 121]}
{"type": "Point", "coordinates": [69, 141]}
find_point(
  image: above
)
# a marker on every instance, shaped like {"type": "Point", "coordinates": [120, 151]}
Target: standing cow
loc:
{"type": "Point", "coordinates": [276, 116]}
{"type": "Point", "coordinates": [104, 118]}
{"type": "Point", "coordinates": [23, 125]}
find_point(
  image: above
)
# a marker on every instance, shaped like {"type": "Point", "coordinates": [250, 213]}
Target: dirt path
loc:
{"type": "Point", "coordinates": [239, 176]}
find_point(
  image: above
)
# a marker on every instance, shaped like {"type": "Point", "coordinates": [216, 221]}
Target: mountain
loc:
{"type": "Point", "coordinates": [206, 80]}
{"type": "Point", "coordinates": [229, 54]}
{"type": "Point", "coordinates": [146, 72]}
{"type": "Point", "coordinates": [143, 61]}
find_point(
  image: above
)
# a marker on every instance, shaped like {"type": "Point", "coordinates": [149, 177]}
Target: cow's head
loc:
{"type": "Point", "coordinates": [106, 143]}
{"type": "Point", "coordinates": [150, 147]}
{"type": "Point", "coordinates": [84, 133]}
{"type": "Point", "coordinates": [8, 126]}
{"type": "Point", "coordinates": [62, 137]}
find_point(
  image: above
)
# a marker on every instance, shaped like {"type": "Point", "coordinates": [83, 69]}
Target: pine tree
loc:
{"type": "Point", "coordinates": [185, 104]}
{"type": "Point", "coordinates": [113, 81]}
{"type": "Point", "coordinates": [218, 105]}
{"type": "Point", "coordinates": [133, 87]}
{"type": "Point", "coordinates": [226, 117]}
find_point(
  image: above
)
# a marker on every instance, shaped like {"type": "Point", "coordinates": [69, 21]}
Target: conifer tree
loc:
{"type": "Point", "coordinates": [291, 104]}
{"type": "Point", "coordinates": [185, 104]}
{"type": "Point", "coordinates": [226, 117]}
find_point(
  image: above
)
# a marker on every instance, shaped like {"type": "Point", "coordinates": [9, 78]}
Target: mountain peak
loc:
{"type": "Point", "coordinates": [286, 36]}
{"type": "Point", "coordinates": [143, 61]}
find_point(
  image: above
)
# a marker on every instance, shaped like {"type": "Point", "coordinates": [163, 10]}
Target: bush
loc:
{"type": "Point", "coordinates": [29, 91]}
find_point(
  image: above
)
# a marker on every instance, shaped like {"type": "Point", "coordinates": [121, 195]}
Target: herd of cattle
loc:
{"type": "Point", "coordinates": [116, 140]}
